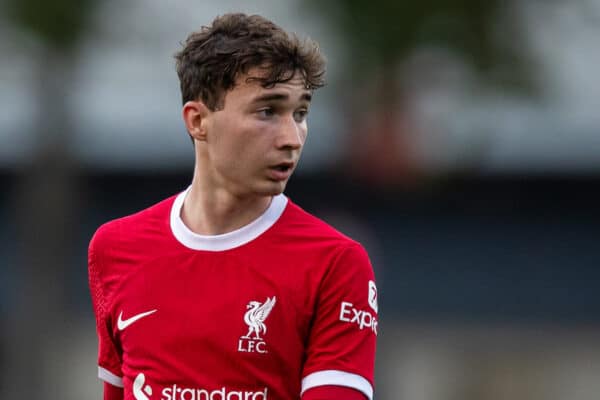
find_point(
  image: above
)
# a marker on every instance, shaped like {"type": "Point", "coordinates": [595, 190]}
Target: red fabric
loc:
{"type": "Point", "coordinates": [175, 319]}
{"type": "Point", "coordinates": [330, 392]}
{"type": "Point", "coordinates": [112, 392]}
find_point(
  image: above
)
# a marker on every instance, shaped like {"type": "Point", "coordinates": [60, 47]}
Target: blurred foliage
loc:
{"type": "Point", "coordinates": [59, 23]}
{"type": "Point", "coordinates": [383, 32]}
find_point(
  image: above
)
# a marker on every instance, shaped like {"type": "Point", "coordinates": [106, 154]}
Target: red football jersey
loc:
{"type": "Point", "coordinates": [268, 311]}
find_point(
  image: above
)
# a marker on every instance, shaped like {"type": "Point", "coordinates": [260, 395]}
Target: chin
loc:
{"type": "Point", "coordinates": [273, 189]}
{"type": "Point", "coordinates": [274, 192]}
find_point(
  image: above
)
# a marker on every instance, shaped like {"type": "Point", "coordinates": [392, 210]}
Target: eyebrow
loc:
{"type": "Point", "coordinates": [280, 96]}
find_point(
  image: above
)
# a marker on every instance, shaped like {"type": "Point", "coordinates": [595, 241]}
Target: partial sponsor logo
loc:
{"type": "Point", "coordinates": [143, 391]}
{"type": "Point", "coordinates": [363, 319]}
{"type": "Point", "coordinates": [178, 393]}
{"type": "Point", "coordinates": [255, 319]}
{"type": "Point", "coordinates": [373, 296]}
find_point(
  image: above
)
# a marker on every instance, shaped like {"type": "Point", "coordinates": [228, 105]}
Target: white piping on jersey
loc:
{"type": "Point", "coordinates": [229, 240]}
{"type": "Point", "coordinates": [337, 378]}
{"type": "Point", "coordinates": [109, 377]}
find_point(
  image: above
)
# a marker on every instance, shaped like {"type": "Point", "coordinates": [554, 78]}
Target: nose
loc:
{"type": "Point", "coordinates": [292, 134]}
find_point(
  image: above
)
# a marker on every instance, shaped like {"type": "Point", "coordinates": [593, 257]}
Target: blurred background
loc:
{"type": "Point", "coordinates": [459, 140]}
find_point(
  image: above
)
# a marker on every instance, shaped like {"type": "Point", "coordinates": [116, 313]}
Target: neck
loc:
{"type": "Point", "coordinates": [207, 211]}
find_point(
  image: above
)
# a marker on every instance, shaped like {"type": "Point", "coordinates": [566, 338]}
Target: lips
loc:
{"type": "Point", "coordinates": [284, 166]}
{"type": "Point", "coordinates": [281, 171]}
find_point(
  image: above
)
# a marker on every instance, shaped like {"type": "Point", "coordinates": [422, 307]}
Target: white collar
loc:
{"type": "Point", "coordinates": [227, 240]}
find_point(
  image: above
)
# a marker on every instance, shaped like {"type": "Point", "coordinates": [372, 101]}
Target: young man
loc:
{"type": "Point", "coordinates": [228, 290]}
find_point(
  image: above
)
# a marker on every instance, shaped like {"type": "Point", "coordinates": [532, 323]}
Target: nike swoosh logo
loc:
{"type": "Point", "coordinates": [124, 323]}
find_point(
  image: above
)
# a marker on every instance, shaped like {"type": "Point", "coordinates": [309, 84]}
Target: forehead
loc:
{"type": "Point", "coordinates": [249, 85]}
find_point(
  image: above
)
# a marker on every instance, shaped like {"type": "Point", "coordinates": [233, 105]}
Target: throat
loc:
{"type": "Point", "coordinates": [217, 215]}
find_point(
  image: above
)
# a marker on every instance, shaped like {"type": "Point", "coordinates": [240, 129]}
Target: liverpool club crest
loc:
{"type": "Point", "coordinates": [255, 317]}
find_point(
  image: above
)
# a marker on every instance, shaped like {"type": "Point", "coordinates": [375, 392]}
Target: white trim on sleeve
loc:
{"type": "Point", "coordinates": [109, 377]}
{"type": "Point", "coordinates": [337, 378]}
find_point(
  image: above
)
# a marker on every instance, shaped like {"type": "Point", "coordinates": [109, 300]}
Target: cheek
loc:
{"type": "Point", "coordinates": [303, 133]}
{"type": "Point", "coordinates": [237, 152]}
{"type": "Point", "coordinates": [227, 139]}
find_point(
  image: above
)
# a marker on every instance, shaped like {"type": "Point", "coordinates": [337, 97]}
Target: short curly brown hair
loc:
{"type": "Point", "coordinates": [212, 59]}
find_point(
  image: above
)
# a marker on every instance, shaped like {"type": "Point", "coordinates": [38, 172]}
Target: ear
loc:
{"type": "Point", "coordinates": [195, 116]}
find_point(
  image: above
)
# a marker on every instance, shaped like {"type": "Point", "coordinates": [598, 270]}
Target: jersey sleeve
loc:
{"type": "Point", "coordinates": [112, 392]}
{"type": "Point", "coordinates": [109, 357]}
{"type": "Point", "coordinates": [342, 340]}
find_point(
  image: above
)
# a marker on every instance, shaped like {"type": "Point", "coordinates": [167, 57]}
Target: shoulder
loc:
{"type": "Point", "coordinates": [323, 245]}
{"type": "Point", "coordinates": [304, 225]}
{"type": "Point", "coordinates": [132, 229]}
{"type": "Point", "coordinates": [122, 243]}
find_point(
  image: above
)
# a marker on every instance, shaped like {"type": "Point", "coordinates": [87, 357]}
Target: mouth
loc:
{"type": "Point", "coordinates": [281, 171]}
{"type": "Point", "coordinates": [283, 167]}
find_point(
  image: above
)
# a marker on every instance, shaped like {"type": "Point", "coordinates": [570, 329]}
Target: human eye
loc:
{"type": "Point", "coordinates": [266, 112]}
{"type": "Point", "coordinates": [300, 115]}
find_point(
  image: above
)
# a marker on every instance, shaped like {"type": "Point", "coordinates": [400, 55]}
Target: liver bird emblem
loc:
{"type": "Point", "coordinates": [256, 315]}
